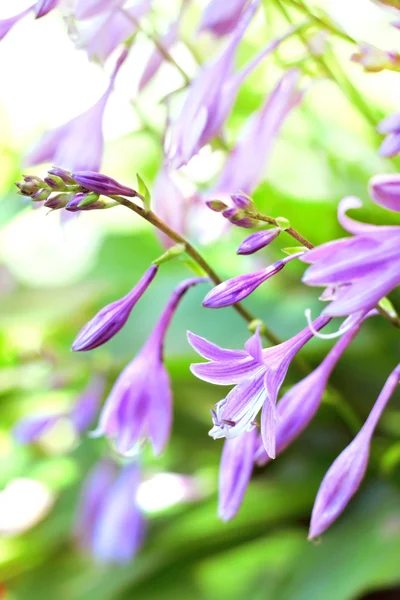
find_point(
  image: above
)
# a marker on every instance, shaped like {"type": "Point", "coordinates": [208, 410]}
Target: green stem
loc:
{"type": "Point", "coordinates": [290, 230]}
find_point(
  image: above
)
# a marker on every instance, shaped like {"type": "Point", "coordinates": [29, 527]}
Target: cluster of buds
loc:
{"type": "Point", "coordinates": [374, 59]}
{"type": "Point", "coordinates": [73, 191]}
{"type": "Point", "coordinates": [242, 214]}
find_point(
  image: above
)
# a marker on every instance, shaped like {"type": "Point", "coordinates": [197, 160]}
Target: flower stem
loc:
{"type": "Point", "coordinates": [152, 218]}
{"type": "Point", "coordinates": [290, 230]}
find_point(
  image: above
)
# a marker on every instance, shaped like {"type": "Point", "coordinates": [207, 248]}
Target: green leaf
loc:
{"type": "Point", "coordinates": [144, 191]}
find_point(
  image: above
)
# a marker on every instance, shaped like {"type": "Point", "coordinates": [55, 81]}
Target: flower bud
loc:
{"type": "Point", "coordinates": [56, 183]}
{"type": "Point", "coordinates": [216, 205]}
{"type": "Point", "coordinates": [102, 184]}
{"type": "Point", "coordinates": [239, 218]}
{"type": "Point", "coordinates": [243, 202]}
{"type": "Point", "coordinates": [41, 195]}
{"type": "Point", "coordinates": [30, 185]}
{"type": "Point", "coordinates": [62, 174]}
{"type": "Point", "coordinates": [82, 201]}
{"type": "Point", "coordinates": [374, 59]}
{"type": "Point", "coordinates": [258, 240]}
{"type": "Point", "coordinates": [58, 201]}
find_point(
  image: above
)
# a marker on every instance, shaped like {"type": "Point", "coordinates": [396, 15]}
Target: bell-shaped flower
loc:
{"type": "Point", "coordinates": [42, 7]}
{"type": "Point", "coordinates": [156, 58]}
{"type": "Point", "coordinates": [236, 289]}
{"type": "Point", "coordinates": [345, 475]}
{"type": "Point", "coordinates": [246, 164]}
{"type": "Point", "coordinates": [109, 523]}
{"type": "Point", "coordinates": [257, 374]}
{"type": "Point", "coordinates": [385, 191]}
{"type": "Point", "coordinates": [81, 415]}
{"type": "Point", "coordinates": [361, 270]}
{"type": "Point", "coordinates": [110, 319]}
{"type": "Point", "coordinates": [391, 128]}
{"type": "Point", "coordinates": [78, 144]}
{"type": "Point", "coordinates": [235, 470]}
{"type": "Point", "coordinates": [221, 18]}
{"type": "Point", "coordinates": [7, 24]}
{"type": "Point", "coordinates": [140, 403]}
{"type": "Point", "coordinates": [297, 407]}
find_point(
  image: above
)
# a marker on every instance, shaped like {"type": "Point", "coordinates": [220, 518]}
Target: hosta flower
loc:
{"type": "Point", "coordinates": [257, 374]}
{"type": "Point", "coordinates": [40, 8]}
{"type": "Point", "coordinates": [345, 475]}
{"type": "Point", "coordinates": [156, 58]}
{"type": "Point", "coordinates": [297, 407]}
{"type": "Point", "coordinates": [259, 239]}
{"type": "Point", "coordinates": [81, 416]}
{"type": "Point", "coordinates": [171, 205]}
{"type": "Point", "coordinates": [78, 144]}
{"type": "Point", "coordinates": [102, 184]}
{"type": "Point", "coordinates": [109, 523]}
{"type": "Point", "coordinates": [236, 466]}
{"type": "Point", "coordinates": [391, 128]}
{"type": "Point", "coordinates": [110, 319]}
{"type": "Point", "coordinates": [246, 164]}
{"type": "Point", "coordinates": [85, 9]}
{"type": "Point", "coordinates": [236, 289]}
{"type": "Point", "coordinates": [221, 18]}
{"type": "Point", "coordinates": [140, 403]}
{"type": "Point", "coordinates": [360, 270]}
{"type": "Point", "coordinates": [385, 191]}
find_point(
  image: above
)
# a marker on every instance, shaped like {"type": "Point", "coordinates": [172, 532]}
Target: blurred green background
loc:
{"type": "Point", "coordinates": [53, 279]}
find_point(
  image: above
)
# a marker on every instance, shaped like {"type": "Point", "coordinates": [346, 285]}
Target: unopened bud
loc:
{"type": "Point", "coordinates": [58, 201]}
{"type": "Point", "coordinates": [243, 202]}
{"type": "Point", "coordinates": [374, 59]}
{"type": "Point", "coordinates": [82, 201]}
{"type": "Point", "coordinates": [62, 174]}
{"type": "Point", "coordinates": [55, 183]}
{"type": "Point", "coordinates": [41, 195]}
{"type": "Point", "coordinates": [216, 205]}
{"type": "Point", "coordinates": [239, 218]}
{"type": "Point", "coordinates": [102, 184]}
{"type": "Point", "coordinates": [30, 185]}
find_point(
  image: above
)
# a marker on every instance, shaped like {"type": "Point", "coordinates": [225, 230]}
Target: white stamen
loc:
{"type": "Point", "coordinates": [348, 324]}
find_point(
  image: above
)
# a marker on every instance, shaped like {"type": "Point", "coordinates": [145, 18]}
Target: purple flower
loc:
{"type": "Point", "coordinates": [361, 270]}
{"type": "Point", "coordinates": [42, 7]}
{"type": "Point", "coordinates": [110, 320]}
{"type": "Point", "coordinates": [246, 164]}
{"type": "Point", "coordinates": [140, 403]}
{"type": "Point", "coordinates": [170, 204]}
{"type": "Point", "coordinates": [85, 9]}
{"type": "Point", "coordinates": [259, 239]}
{"type": "Point", "coordinates": [297, 407]}
{"type": "Point", "coordinates": [78, 144]}
{"type": "Point", "coordinates": [7, 24]}
{"type": "Point", "coordinates": [257, 374]}
{"type": "Point", "coordinates": [109, 522]}
{"type": "Point", "coordinates": [221, 18]}
{"type": "Point", "coordinates": [385, 191]}
{"type": "Point", "coordinates": [234, 290]}
{"type": "Point", "coordinates": [81, 416]}
{"type": "Point", "coordinates": [236, 466]}
{"type": "Point", "coordinates": [345, 475]}
{"type": "Point", "coordinates": [102, 184]}
{"type": "Point", "coordinates": [156, 59]}
{"type": "Point", "coordinates": [391, 128]}
{"type": "Point", "coordinates": [374, 59]}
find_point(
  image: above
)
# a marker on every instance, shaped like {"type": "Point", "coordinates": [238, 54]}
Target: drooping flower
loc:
{"type": "Point", "coordinates": [257, 374]}
{"type": "Point", "coordinates": [260, 239]}
{"type": "Point", "coordinates": [360, 270]}
{"type": "Point", "coordinates": [110, 319]}
{"type": "Point", "coordinates": [236, 289]}
{"type": "Point", "coordinates": [156, 58]}
{"type": "Point", "coordinates": [85, 9]}
{"type": "Point", "coordinates": [109, 523]}
{"type": "Point", "coordinates": [297, 407]}
{"type": "Point", "coordinates": [170, 204]}
{"type": "Point", "coordinates": [385, 191]}
{"type": "Point", "coordinates": [236, 466]}
{"type": "Point", "coordinates": [345, 475]}
{"type": "Point", "coordinates": [391, 128]}
{"type": "Point", "coordinates": [246, 164]}
{"type": "Point", "coordinates": [221, 18]}
{"type": "Point", "coordinates": [81, 416]}
{"type": "Point", "coordinates": [7, 24]}
{"type": "Point", "coordinates": [140, 403]}
{"type": "Point", "coordinates": [78, 144]}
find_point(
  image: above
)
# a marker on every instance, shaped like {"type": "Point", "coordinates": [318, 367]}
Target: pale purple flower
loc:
{"type": "Point", "coordinates": [156, 59]}
{"type": "Point", "coordinates": [236, 289]}
{"type": "Point", "coordinates": [257, 374]}
{"type": "Point", "coordinates": [246, 164]}
{"type": "Point", "coordinates": [102, 184]}
{"type": "Point", "coordinates": [140, 403]}
{"type": "Point", "coordinates": [170, 204]}
{"type": "Point", "coordinates": [109, 523]}
{"type": "Point", "coordinates": [81, 415]}
{"type": "Point", "coordinates": [221, 18]}
{"type": "Point", "coordinates": [78, 144]}
{"type": "Point", "coordinates": [391, 128]}
{"type": "Point", "coordinates": [236, 466]}
{"type": "Point", "coordinates": [374, 59]}
{"type": "Point", "coordinates": [85, 9]}
{"type": "Point", "coordinates": [360, 270]}
{"type": "Point", "coordinates": [297, 407]}
{"type": "Point", "coordinates": [110, 319]}
{"type": "Point", "coordinates": [259, 239]}
{"type": "Point", "coordinates": [211, 97]}
{"type": "Point", "coordinates": [345, 475]}
{"type": "Point", "coordinates": [385, 191]}
{"type": "Point", "coordinates": [7, 24]}
{"type": "Point", "coordinates": [42, 7]}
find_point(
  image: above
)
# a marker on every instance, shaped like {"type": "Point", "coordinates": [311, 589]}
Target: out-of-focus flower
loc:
{"type": "Point", "coordinates": [112, 24]}
{"type": "Point", "coordinates": [360, 270]}
{"type": "Point", "coordinates": [78, 144]}
{"type": "Point", "coordinates": [102, 184]}
{"type": "Point", "coordinates": [236, 466]}
{"type": "Point", "coordinates": [170, 204]}
{"type": "Point", "coordinates": [85, 9]}
{"type": "Point", "coordinates": [156, 58]}
{"type": "Point", "coordinates": [109, 523]}
{"type": "Point", "coordinates": [236, 289]}
{"type": "Point", "coordinates": [297, 407]}
{"type": "Point", "coordinates": [140, 404]}
{"type": "Point", "coordinates": [40, 8]}
{"type": "Point", "coordinates": [391, 128]}
{"type": "Point", "coordinates": [81, 415]}
{"type": "Point", "coordinates": [259, 239]}
{"type": "Point", "coordinates": [221, 18]}
{"type": "Point", "coordinates": [246, 164]}
{"type": "Point", "coordinates": [345, 475]}
{"type": "Point", "coordinates": [374, 59]}
{"type": "Point", "coordinates": [257, 374]}
{"type": "Point", "coordinates": [110, 320]}
{"type": "Point", "coordinates": [385, 191]}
